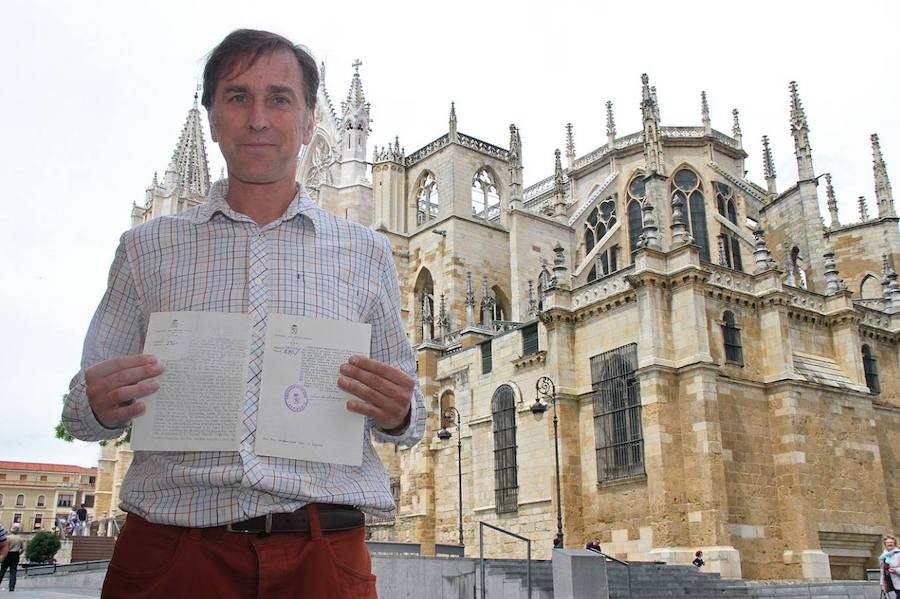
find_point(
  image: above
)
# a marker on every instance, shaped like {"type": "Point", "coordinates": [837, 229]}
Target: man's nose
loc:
{"type": "Point", "coordinates": [259, 118]}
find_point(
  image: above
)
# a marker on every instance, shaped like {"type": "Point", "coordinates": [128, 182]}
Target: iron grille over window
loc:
{"type": "Point", "coordinates": [529, 339]}
{"type": "Point", "coordinates": [734, 354]}
{"type": "Point", "coordinates": [617, 414]}
{"type": "Point", "coordinates": [506, 486]}
{"type": "Point", "coordinates": [487, 357]}
{"type": "Point", "coordinates": [870, 368]}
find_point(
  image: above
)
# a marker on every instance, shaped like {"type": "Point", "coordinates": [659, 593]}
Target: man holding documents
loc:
{"type": "Point", "coordinates": [235, 336]}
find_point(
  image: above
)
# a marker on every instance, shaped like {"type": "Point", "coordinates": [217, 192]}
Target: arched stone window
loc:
{"type": "Point", "coordinates": [424, 310]}
{"type": "Point", "coordinates": [40, 501]}
{"type": "Point", "coordinates": [870, 368]}
{"type": "Point", "coordinates": [1, 499]}
{"type": "Point", "coordinates": [544, 280]}
{"type": "Point", "coordinates": [731, 249]}
{"type": "Point", "coordinates": [500, 306]}
{"type": "Point", "coordinates": [427, 198]}
{"type": "Point", "coordinates": [734, 352]}
{"type": "Point", "coordinates": [600, 220]}
{"type": "Point", "coordinates": [485, 199]}
{"type": "Point", "coordinates": [506, 485]}
{"type": "Point", "coordinates": [20, 500]}
{"type": "Point", "coordinates": [618, 437]}
{"type": "Point", "coordinates": [870, 288]}
{"type": "Point", "coordinates": [636, 195]}
{"type": "Point", "coordinates": [686, 185]}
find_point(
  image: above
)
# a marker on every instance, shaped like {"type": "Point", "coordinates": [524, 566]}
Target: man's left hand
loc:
{"type": "Point", "coordinates": [385, 391]}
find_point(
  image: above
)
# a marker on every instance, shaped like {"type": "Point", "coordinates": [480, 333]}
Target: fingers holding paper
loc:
{"type": "Point", "coordinates": [113, 386]}
{"type": "Point", "coordinates": [385, 391]}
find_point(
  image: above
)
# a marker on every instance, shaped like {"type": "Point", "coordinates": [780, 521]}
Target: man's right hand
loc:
{"type": "Point", "coordinates": [114, 386]}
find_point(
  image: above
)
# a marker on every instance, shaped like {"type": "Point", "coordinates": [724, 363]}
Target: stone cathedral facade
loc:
{"type": "Point", "coordinates": [722, 364]}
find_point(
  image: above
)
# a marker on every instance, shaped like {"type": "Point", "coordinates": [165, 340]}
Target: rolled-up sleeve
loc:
{"type": "Point", "coordinates": [116, 330]}
{"type": "Point", "coordinates": [391, 346]}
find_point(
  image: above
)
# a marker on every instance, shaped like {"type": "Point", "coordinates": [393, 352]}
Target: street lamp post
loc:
{"type": "Point", "coordinates": [443, 435]}
{"type": "Point", "coordinates": [547, 390]}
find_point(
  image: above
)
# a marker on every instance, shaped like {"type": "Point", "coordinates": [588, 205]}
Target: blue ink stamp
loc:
{"type": "Point", "coordinates": [295, 398]}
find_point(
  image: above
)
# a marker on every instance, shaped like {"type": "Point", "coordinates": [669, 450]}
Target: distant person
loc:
{"type": "Point", "coordinates": [4, 544]}
{"type": "Point", "coordinates": [81, 521]}
{"type": "Point", "coordinates": [593, 545]}
{"type": "Point", "coordinates": [557, 542]}
{"type": "Point", "coordinates": [698, 561]}
{"type": "Point", "coordinates": [16, 546]}
{"type": "Point", "coordinates": [889, 563]}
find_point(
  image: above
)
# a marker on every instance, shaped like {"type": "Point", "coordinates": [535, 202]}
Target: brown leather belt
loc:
{"type": "Point", "coordinates": [332, 518]}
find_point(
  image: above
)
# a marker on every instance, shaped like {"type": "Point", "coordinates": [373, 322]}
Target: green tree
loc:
{"type": "Point", "coordinates": [42, 547]}
{"type": "Point", "coordinates": [60, 431]}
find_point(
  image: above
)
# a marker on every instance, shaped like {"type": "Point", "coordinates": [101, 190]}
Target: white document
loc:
{"type": "Point", "coordinates": [302, 412]}
{"type": "Point", "coordinates": [197, 407]}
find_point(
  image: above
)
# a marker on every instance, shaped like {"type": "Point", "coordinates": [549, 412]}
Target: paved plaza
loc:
{"type": "Point", "coordinates": [52, 593]}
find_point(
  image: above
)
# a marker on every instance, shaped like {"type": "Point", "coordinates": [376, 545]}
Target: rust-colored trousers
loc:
{"type": "Point", "coordinates": [170, 562]}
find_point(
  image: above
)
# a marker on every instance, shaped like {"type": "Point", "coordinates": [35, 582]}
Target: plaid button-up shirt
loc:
{"type": "Point", "coordinates": [211, 258]}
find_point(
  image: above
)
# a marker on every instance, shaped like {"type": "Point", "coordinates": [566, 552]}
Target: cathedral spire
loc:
{"type": "Point", "coordinates": [833, 281]}
{"type": "Point", "coordinates": [453, 132]}
{"type": "Point", "coordinates": [515, 168]}
{"type": "Point", "coordinates": [354, 131]}
{"type": "Point", "coordinates": [470, 301]}
{"type": "Point", "coordinates": [800, 131]}
{"type": "Point", "coordinates": [736, 127]}
{"type": "Point", "coordinates": [768, 166]}
{"type": "Point", "coordinates": [356, 98]}
{"type": "Point", "coordinates": [610, 124]}
{"type": "Point", "coordinates": [188, 172]}
{"type": "Point", "coordinates": [653, 157]}
{"type": "Point", "coordinates": [570, 145]}
{"type": "Point", "coordinates": [559, 205]}
{"type": "Point", "coordinates": [761, 255]}
{"type": "Point", "coordinates": [832, 201]}
{"type": "Point", "coordinates": [704, 113]}
{"type": "Point", "coordinates": [883, 195]}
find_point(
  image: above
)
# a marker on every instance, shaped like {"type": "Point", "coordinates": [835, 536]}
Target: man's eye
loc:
{"type": "Point", "coordinates": [238, 99]}
{"type": "Point", "coordinates": [280, 100]}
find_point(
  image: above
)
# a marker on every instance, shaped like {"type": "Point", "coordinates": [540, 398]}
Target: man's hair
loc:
{"type": "Point", "coordinates": [250, 45]}
{"type": "Point", "coordinates": [698, 554]}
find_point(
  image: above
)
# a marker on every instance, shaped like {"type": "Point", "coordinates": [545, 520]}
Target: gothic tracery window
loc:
{"type": "Point", "coordinates": [636, 195]}
{"type": "Point", "coordinates": [731, 249]}
{"type": "Point", "coordinates": [600, 220]}
{"type": "Point", "coordinates": [485, 199]}
{"type": "Point", "coordinates": [427, 199]}
{"type": "Point", "coordinates": [687, 186]}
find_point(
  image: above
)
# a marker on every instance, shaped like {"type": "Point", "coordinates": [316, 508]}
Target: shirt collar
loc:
{"type": "Point", "coordinates": [301, 204]}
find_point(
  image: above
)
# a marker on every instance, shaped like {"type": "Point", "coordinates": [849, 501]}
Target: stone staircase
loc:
{"type": "Point", "coordinates": [506, 579]}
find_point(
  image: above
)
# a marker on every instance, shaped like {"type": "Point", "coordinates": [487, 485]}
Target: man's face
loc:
{"type": "Point", "coordinates": [260, 119]}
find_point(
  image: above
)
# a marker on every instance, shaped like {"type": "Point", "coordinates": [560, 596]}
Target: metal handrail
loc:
{"type": "Point", "coordinates": [618, 561]}
{"type": "Point", "coordinates": [481, 526]}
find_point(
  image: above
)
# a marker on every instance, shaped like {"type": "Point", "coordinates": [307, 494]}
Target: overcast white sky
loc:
{"type": "Point", "coordinates": [95, 94]}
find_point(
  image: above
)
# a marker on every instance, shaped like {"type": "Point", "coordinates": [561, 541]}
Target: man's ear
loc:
{"type": "Point", "coordinates": [310, 127]}
{"type": "Point", "coordinates": [213, 132]}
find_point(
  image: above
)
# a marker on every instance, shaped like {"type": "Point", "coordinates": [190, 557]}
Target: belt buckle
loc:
{"type": "Point", "coordinates": [268, 528]}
